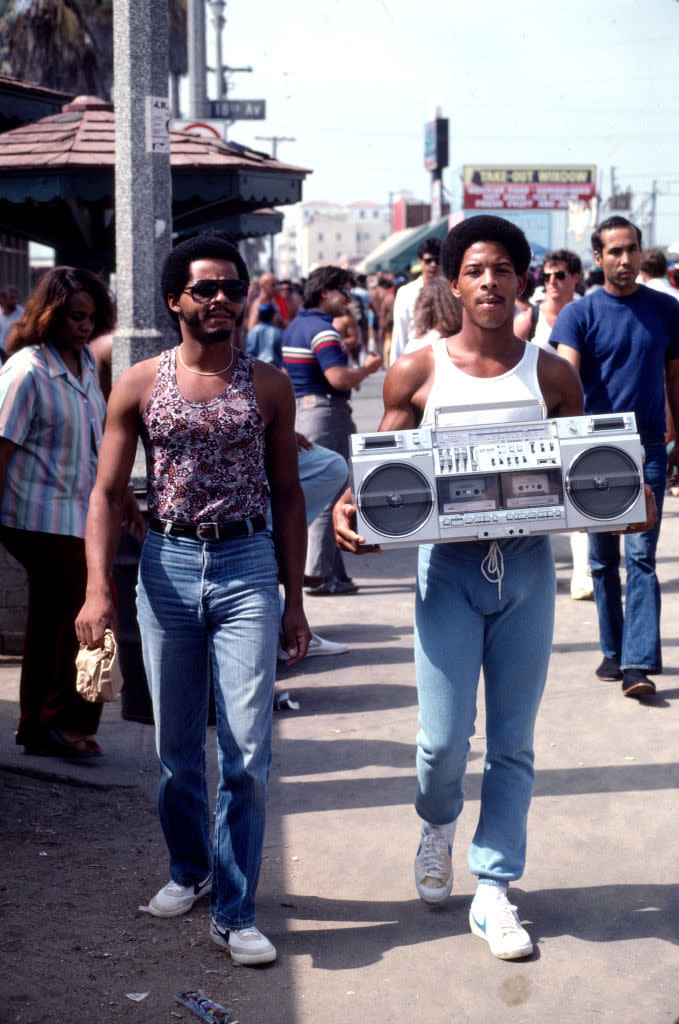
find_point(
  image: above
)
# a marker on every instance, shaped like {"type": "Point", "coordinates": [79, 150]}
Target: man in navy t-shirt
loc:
{"type": "Point", "coordinates": [624, 341]}
{"type": "Point", "coordinates": [315, 359]}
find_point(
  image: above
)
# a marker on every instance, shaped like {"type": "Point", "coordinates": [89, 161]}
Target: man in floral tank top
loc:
{"type": "Point", "coordinates": [218, 431]}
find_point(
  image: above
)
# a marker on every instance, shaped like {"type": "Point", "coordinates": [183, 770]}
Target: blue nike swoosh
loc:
{"type": "Point", "coordinates": [481, 924]}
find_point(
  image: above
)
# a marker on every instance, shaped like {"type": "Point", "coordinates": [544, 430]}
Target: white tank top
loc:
{"type": "Point", "coordinates": [453, 387]}
{"type": "Point", "coordinates": [543, 333]}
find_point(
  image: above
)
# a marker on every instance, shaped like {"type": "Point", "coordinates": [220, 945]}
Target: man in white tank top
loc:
{"type": "Point", "coordinates": [472, 611]}
{"type": "Point", "coordinates": [479, 604]}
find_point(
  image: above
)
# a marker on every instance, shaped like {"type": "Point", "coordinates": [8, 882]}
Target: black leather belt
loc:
{"type": "Point", "coordinates": [209, 531]}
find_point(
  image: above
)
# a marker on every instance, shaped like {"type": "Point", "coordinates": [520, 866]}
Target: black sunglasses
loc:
{"type": "Point", "coordinates": [207, 289]}
{"type": "Point", "coordinates": [560, 275]}
{"type": "Point", "coordinates": [429, 259]}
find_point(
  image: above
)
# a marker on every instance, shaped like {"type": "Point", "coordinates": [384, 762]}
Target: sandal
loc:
{"type": "Point", "coordinates": [83, 747]}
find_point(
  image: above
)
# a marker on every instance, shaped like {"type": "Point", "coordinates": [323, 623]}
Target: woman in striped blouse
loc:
{"type": "Point", "coordinates": [51, 421]}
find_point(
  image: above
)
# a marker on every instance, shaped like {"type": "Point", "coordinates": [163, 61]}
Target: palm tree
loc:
{"type": "Point", "coordinates": [68, 44]}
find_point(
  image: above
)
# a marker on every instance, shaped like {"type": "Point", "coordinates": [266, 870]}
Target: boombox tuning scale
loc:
{"type": "Point", "coordinates": [476, 481]}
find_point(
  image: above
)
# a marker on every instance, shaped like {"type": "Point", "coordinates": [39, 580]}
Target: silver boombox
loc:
{"type": "Point", "coordinates": [519, 475]}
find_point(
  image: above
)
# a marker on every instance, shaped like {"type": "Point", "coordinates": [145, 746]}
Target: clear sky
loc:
{"type": "Point", "coordinates": [521, 81]}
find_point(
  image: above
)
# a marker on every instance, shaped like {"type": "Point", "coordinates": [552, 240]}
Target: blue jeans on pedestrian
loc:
{"type": "Point", "coordinates": [209, 610]}
{"type": "Point", "coordinates": [323, 475]}
{"type": "Point", "coordinates": [326, 420]}
{"type": "Point", "coordinates": [464, 623]}
{"type": "Point", "coordinates": [632, 638]}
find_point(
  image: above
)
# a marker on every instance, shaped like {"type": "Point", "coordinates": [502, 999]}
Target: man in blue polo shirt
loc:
{"type": "Point", "coordinates": [315, 358]}
{"type": "Point", "coordinates": [624, 341]}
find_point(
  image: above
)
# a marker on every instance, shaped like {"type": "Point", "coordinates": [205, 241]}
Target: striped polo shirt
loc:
{"type": "Point", "coordinates": [311, 345]}
{"type": "Point", "coordinates": [56, 422]}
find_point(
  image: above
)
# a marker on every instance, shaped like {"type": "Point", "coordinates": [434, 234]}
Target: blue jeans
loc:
{"type": "Point", "coordinates": [323, 475]}
{"type": "Point", "coordinates": [464, 623]}
{"type": "Point", "coordinates": [209, 609]}
{"type": "Point", "coordinates": [632, 638]}
{"type": "Point", "coordinates": [325, 420]}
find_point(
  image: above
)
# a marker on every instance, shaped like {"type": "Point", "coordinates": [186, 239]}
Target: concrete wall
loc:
{"type": "Point", "coordinates": [13, 603]}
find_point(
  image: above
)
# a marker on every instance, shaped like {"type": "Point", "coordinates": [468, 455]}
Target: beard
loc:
{"type": "Point", "coordinates": [203, 333]}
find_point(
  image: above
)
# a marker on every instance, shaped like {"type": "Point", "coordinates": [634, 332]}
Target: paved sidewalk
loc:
{"type": "Point", "coordinates": [337, 896]}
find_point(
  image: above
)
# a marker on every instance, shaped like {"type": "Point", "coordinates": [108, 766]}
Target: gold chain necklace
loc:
{"type": "Point", "coordinates": [204, 373]}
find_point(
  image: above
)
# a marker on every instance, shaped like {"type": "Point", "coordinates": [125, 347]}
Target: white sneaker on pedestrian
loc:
{"type": "Point", "coordinates": [493, 918]}
{"type": "Point", "coordinates": [582, 589]}
{"type": "Point", "coordinates": [173, 899]}
{"type": "Point", "coordinates": [434, 866]}
{"type": "Point", "coordinates": [318, 645]}
{"type": "Point", "coordinates": [247, 946]}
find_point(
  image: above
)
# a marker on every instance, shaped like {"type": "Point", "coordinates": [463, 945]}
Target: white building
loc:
{"type": "Point", "coordinates": [319, 233]}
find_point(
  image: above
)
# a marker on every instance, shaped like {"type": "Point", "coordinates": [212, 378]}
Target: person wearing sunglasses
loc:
{"type": "Point", "coordinates": [428, 257]}
{"type": "Point", "coordinates": [218, 429]}
{"type": "Point", "coordinates": [561, 272]}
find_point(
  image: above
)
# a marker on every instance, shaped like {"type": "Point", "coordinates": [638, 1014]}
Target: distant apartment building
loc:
{"type": "Point", "coordinates": [321, 232]}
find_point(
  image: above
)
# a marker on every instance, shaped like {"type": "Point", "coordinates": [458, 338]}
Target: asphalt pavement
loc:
{"type": "Point", "coordinates": [337, 896]}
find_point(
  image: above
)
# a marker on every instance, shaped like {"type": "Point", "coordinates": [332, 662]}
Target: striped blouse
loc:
{"type": "Point", "coordinates": [56, 421]}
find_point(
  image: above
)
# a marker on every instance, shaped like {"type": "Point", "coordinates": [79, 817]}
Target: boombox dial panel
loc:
{"type": "Point", "coordinates": [498, 480]}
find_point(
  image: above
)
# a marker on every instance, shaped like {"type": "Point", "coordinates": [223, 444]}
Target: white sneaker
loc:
{"type": "Point", "coordinates": [246, 945]}
{"type": "Point", "coordinates": [317, 645]}
{"type": "Point", "coordinates": [434, 867]}
{"type": "Point", "coordinates": [173, 899]}
{"type": "Point", "coordinates": [582, 590]}
{"type": "Point", "coordinates": [493, 918]}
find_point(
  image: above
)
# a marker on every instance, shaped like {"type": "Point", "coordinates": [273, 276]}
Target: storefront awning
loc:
{"type": "Point", "coordinates": [399, 251]}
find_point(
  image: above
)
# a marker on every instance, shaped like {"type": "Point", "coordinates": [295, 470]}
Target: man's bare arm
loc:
{"type": "Point", "coordinates": [571, 355]}
{"type": "Point", "coordinates": [288, 512]}
{"type": "Point", "coordinates": [560, 385]}
{"type": "Point", "coordinates": [102, 530]}
{"type": "Point", "coordinates": [344, 377]}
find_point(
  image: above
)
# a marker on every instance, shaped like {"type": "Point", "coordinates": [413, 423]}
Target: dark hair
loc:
{"type": "Point", "coordinates": [654, 262]}
{"type": "Point", "coordinates": [46, 308]}
{"type": "Point", "coordinates": [324, 278]}
{"type": "Point", "coordinates": [571, 259]}
{"type": "Point", "coordinates": [430, 245]}
{"type": "Point", "coordinates": [529, 289]}
{"type": "Point", "coordinates": [608, 225]}
{"type": "Point", "coordinates": [208, 245]}
{"type": "Point", "coordinates": [266, 311]}
{"type": "Point", "coordinates": [484, 228]}
{"type": "Point", "coordinates": [437, 308]}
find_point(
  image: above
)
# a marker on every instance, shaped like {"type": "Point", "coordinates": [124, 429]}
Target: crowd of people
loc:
{"type": "Point", "coordinates": [246, 425]}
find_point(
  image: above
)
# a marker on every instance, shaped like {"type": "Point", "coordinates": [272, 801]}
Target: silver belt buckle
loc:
{"type": "Point", "coordinates": [207, 531]}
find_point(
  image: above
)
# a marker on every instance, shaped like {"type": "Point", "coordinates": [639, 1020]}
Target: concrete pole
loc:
{"type": "Point", "coordinates": [195, 24]}
{"type": "Point", "coordinates": [143, 189]}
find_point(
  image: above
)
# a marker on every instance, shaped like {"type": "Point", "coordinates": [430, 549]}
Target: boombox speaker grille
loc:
{"type": "Point", "coordinates": [395, 499]}
{"type": "Point", "coordinates": [603, 482]}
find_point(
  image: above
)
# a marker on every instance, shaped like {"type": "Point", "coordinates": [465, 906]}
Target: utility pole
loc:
{"type": "Point", "coordinates": [219, 21]}
{"type": "Point", "coordinates": [195, 37]}
{"type": "Point", "coordinates": [652, 213]}
{"type": "Point", "coordinates": [143, 189]}
{"type": "Point", "coordinates": [274, 140]}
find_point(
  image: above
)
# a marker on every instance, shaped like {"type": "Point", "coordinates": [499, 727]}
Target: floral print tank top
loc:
{"type": "Point", "coordinates": [205, 460]}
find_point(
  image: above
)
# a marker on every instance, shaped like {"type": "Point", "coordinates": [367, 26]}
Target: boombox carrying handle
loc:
{"type": "Point", "coordinates": [491, 412]}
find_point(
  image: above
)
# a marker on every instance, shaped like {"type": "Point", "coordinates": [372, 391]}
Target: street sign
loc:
{"type": "Point", "coordinates": [238, 110]}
